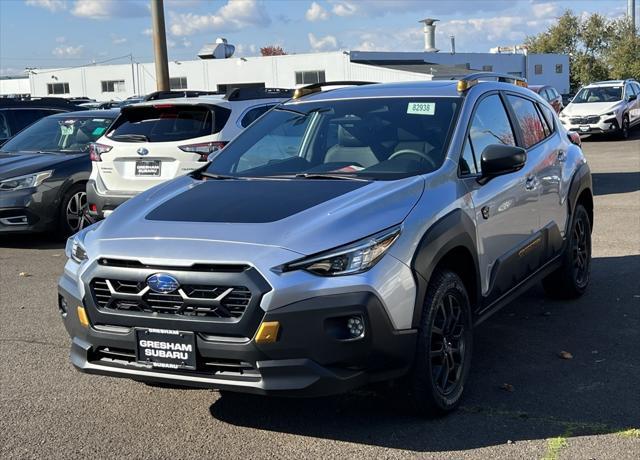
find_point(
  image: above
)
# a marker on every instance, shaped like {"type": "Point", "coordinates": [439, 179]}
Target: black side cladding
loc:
{"type": "Point", "coordinates": [249, 201]}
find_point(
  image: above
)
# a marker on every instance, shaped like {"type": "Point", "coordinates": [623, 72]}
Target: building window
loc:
{"type": "Point", "coordinates": [558, 68]}
{"type": "Point", "coordinates": [57, 88]}
{"type": "Point", "coordinates": [309, 77]}
{"type": "Point", "coordinates": [487, 68]}
{"type": "Point", "coordinates": [537, 69]}
{"type": "Point", "coordinates": [178, 82]}
{"type": "Point", "coordinates": [113, 86]}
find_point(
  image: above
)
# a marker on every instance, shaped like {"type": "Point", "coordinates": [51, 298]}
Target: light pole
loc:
{"type": "Point", "coordinates": [160, 45]}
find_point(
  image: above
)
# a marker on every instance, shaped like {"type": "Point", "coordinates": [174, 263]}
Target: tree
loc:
{"type": "Point", "coordinates": [598, 48]}
{"type": "Point", "coordinates": [272, 50]}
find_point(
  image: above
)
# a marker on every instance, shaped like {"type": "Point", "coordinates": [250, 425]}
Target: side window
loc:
{"type": "Point", "coordinates": [24, 117]}
{"type": "Point", "coordinates": [630, 90]}
{"type": "Point", "coordinates": [5, 132]}
{"type": "Point", "coordinates": [547, 115]}
{"type": "Point", "coordinates": [636, 86]}
{"type": "Point", "coordinates": [528, 120]}
{"type": "Point", "coordinates": [467, 162]}
{"type": "Point", "coordinates": [253, 114]}
{"type": "Point", "coordinates": [490, 125]}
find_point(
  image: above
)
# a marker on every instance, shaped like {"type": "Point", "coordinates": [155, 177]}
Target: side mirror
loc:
{"type": "Point", "coordinates": [498, 159]}
{"type": "Point", "coordinates": [632, 97]}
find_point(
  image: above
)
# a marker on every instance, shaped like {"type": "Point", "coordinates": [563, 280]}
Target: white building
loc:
{"type": "Point", "coordinates": [116, 82]}
{"type": "Point", "coordinates": [14, 86]}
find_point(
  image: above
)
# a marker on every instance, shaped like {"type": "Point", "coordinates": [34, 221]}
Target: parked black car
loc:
{"type": "Point", "coordinates": [17, 114]}
{"type": "Point", "coordinates": [44, 170]}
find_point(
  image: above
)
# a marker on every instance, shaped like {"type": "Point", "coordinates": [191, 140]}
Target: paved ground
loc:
{"type": "Point", "coordinates": [583, 408]}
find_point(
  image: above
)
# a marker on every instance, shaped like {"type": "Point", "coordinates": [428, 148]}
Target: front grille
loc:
{"type": "Point", "coordinates": [188, 300]}
{"type": "Point", "coordinates": [589, 120]}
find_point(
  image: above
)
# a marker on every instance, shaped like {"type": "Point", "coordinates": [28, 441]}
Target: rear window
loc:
{"type": "Point", "coordinates": [168, 123]}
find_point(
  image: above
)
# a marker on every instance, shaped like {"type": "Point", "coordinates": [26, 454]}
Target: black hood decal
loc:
{"type": "Point", "coordinates": [249, 201]}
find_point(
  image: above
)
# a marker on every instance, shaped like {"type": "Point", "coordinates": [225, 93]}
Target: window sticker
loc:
{"type": "Point", "coordinates": [98, 131]}
{"type": "Point", "coordinates": [66, 130]}
{"type": "Point", "coordinates": [421, 108]}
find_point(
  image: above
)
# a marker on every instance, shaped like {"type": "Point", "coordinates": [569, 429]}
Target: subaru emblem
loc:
{"type": "Point", "coordinates": [142, 151]}
{"type": "Point", "coordinates": [162, 283]}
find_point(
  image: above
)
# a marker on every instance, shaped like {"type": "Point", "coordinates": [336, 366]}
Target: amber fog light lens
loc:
{"type": "Point", "coordinates": [268, 332]}
{"type": "Point", "coordinates": [82, 317]}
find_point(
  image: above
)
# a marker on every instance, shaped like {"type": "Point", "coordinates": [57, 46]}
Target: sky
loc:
{"type": "Point", "coordinates": [65, 33]}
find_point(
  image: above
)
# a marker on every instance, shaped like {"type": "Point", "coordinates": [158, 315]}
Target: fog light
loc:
{"type": "Point", "coordinates": [268, 332]}
{"type": "Point", "coordinates": [62, 305]}
{"type": "Point", "coordinates": [93, 207]}
{"type": "Point", "coordinates": [355, 324]}
{"type": "Point", "coordinates": [82, 316]}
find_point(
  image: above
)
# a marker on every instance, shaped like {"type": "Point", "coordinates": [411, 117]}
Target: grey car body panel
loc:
{"type": "Point", "coordinates": [438, 212]}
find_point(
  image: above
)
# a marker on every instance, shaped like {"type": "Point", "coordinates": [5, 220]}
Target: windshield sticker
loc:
{"type": "Point", "coordinates": [98, 131]}
{"type": "Point", "coordinates": [421, 108]}
{"type": "Point", "coordinates": [99, 120]}
{"type": "Point", "coordinates": [66, 130]}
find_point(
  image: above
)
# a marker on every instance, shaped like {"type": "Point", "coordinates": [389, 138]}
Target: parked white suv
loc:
{"type": "Point", "coordinates": [158, 140]}
{"type": "Point", "coordinates": [604, 107]}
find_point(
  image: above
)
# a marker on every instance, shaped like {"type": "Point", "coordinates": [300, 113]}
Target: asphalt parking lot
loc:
{"type": "Point", "coordinates": [522, 401]}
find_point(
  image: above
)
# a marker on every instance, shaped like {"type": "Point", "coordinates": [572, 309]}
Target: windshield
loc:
{"type": "Point", "coordinates": [71, 133]}
{"type": "Point", "coordinates": [378, 138]}
{"type": "Point", "coordinates": [598, 94]}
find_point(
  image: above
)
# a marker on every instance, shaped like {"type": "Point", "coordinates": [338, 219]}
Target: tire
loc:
{"type": "Point", "coordinates": [624, 129]}
{"type": "Point", "coordinates": [445, 338]}
{"type": "Point", "coordinates": [73, 215]}
{"type": "Point", "coordinates": [570, 281]}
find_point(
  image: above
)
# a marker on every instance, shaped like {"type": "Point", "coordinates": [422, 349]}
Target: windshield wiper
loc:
{"type": "Point", "coordinates": [330, 176]}
{"type": "Point", "coordinates": [217, 176]}
{"type": "Point", "coordinates": [299, 112]}
{"type": "Point", "coordinates": [131, 137]}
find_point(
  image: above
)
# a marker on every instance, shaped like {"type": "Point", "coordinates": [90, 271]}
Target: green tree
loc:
{"type": "Point", "coordinates": [598, 48]}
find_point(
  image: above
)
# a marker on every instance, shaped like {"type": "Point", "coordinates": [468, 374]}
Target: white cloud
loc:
{"type": "Point", "coordinates": [147, 32]}
{"type": "Point", "coordinates": [344, 8]}
{"type": "Point", "coordinates": [234, 15]}
{"type": "Point", "coordinates": [246, 50]}
{"type": "Point", "coordinates": [118, 40]}
{"type": "Point", "coordinates": [66, 51]}
{"type": "Point", "coordinates": [546, 10]}
{"type": "Point", "coordinates": [326, 43]}
{"type": "Point", "coordinates": [105, 9]}
{"type": "Point", "coordinates": [316, 13]}
{"type": "Point", "coordinates": [60, 39]}
{"type": "Point", "coordinates": [51, 5]}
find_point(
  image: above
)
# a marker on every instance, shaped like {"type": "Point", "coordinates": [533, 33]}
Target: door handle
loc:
{"type": "Point", "coordinates": [530, 183]}
{"type": "Point", "coordinates": [562, 156]}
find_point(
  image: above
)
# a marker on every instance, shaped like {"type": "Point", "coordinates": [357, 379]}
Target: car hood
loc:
{"type": "Point", "coordinates": [21, 163]}
{"type": "Point", "coordinates": [590, 108]}
{"type": "Point", "coordinates": [304, 216]}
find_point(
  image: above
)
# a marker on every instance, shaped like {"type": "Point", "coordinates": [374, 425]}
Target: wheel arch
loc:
{"type": "Point", "coordinates": [581, 191]}
{"type": "Point", "coordinates": [449, 243]}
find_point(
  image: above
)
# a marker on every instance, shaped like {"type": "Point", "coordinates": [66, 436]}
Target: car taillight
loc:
{"type": "Point", "coordinates": [95, 150]}
{"type": "Point", "coordinates": [574, 138]}
{"type": "Point", "coordinates": [204, 149]}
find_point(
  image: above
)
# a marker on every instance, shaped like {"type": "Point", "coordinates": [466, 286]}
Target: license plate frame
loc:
{"type": "Point", "coordinates": [584, 129]}
{"type": "Point", "coordinates": [148, 168]}
{"type": "Point", "coordinates": [166, 348]}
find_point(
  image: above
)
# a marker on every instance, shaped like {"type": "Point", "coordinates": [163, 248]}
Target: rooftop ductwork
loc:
{"type": "Point", "coordinates": [218, 50]}
{"type": "Point", "coordinates": [430, 35]}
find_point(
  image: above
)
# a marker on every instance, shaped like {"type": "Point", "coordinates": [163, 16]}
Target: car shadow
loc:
{"type": "Point", "coordinates": [519, 389]}
{"type": "Point", "coordinates": [616, 182]}
{"type": "Point", "coordinates": [32, 241]}
{"type": "Point", "coordinates": [634, 134]}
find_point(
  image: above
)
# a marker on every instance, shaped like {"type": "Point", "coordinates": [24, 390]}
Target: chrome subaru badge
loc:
{"type": "Point", "coordinates": [142, 151]}
{"type": "Point", "coordinates": [162, 283]}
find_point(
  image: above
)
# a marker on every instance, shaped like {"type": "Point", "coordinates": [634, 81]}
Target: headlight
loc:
{"type": "Point", "coordinates": [26, 181]}
{"type": "Point", "coordinates": [75, 249]}
{"type": "Point", "coordinates": [563, 115]}
{"type": "Point", "coordinates": [347, 260]}
{"type": "Point", "coordinates": [608, 114]}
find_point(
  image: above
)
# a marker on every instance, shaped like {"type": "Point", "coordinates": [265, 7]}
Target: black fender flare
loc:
{"type": "Point", "coordinates": [453, 230]}
{"type": "Point", "coordinates": [580, 182]}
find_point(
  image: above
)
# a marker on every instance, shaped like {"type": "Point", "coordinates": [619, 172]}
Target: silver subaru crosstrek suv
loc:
{"type": "Point", "coordinates": [350, 235]}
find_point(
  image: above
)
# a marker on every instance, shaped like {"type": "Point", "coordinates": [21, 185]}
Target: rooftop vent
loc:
{"type": "Point", "coordinates": [218, 50]}
{"type": "Point", "coordinates": [430, 35]}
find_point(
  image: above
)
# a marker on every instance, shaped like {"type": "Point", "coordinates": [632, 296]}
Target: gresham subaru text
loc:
{"type": "Point", "coordinates": [350, 235]}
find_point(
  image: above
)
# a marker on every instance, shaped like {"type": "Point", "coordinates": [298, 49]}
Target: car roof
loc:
{"type": "Point", "coordinates": [595, 84]}
{"type": "Point", "coordinates": [109, 113]}
{"type": "Point", "coordinates": [435, 88]}
{"type": "Point", "coordinates": [208, 100]}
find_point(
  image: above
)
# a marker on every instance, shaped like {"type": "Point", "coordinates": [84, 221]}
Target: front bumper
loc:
{"type": "Point", "coordinates": [609, 125]}
{"type": "Point", "coordinates": [105, 203]}
{"type": "Point", "coordinates": [27, 210]}
{"type": "Point", "coordinates": [309, 358]}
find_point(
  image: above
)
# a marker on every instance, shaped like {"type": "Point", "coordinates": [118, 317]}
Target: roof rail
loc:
{"type": "Point", "coordinates": [317, 87]}
{"type": "Point", "coordinates": [472, 79]}
{"type": "Point", "coordinates": [245, 94]}
{"type": "Point", "coordinates": [176, 94]}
